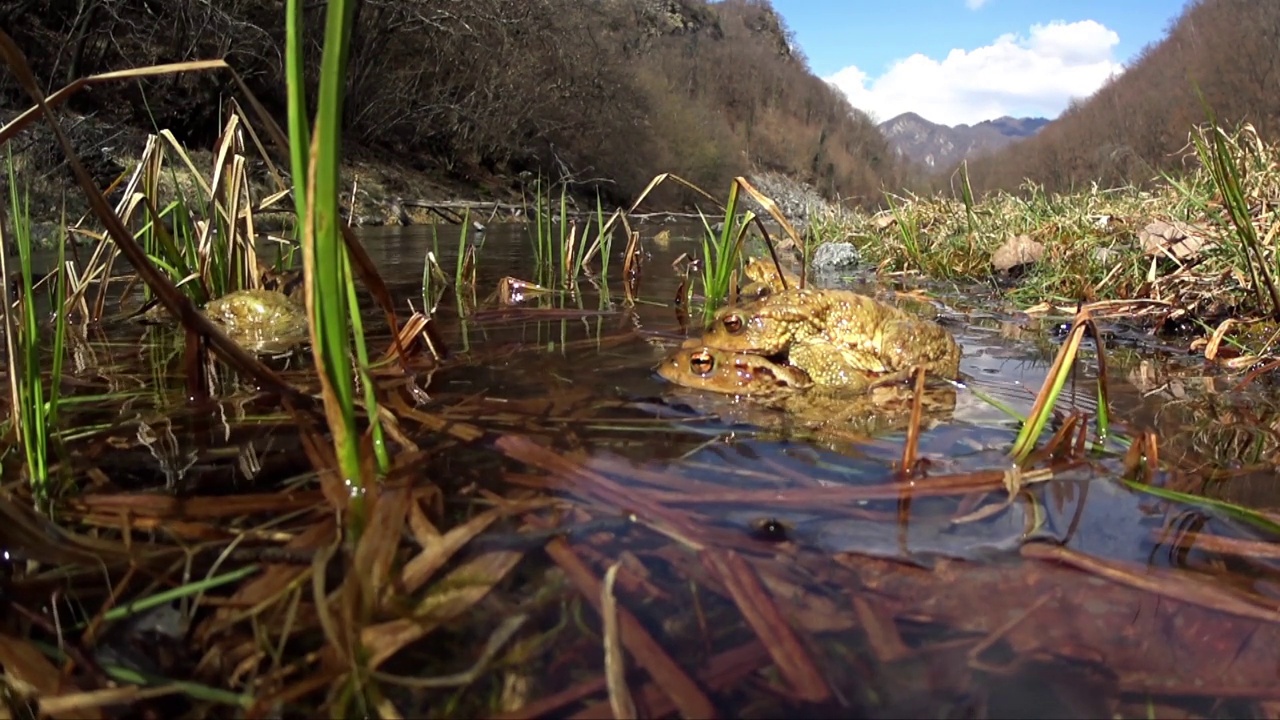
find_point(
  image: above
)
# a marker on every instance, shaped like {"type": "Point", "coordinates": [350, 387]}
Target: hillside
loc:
{"type": "Point", "coordinates": [603, 95]}
{"type": "Point", "coordinates": [1137, 125]}
{"type": "Point", "coordinates": [939, 146]}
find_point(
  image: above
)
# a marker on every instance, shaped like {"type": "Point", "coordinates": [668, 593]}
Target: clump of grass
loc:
{"type": "Point", "coordinates": [721, 249]}
{"type": "Point", "coordinates": [32, 399]}
{"type": "Point", "coordinates": [551, 241]}
{"type": "Point", "coordinates": [908, 227]}
{"type": "Point", "coordinates": [562, 251]}
{"type": "Point", "coordinates": [721, 252]}
{"type": "Point", "coordinates": [1221, 156]}
{"type": "Point", "coordinates": [203, 234]}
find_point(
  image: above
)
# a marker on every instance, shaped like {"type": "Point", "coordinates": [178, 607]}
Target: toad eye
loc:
{"type": "Point", "coordinates": [702, 363]}
{"type": "Point", "coordinates": [733, 323]}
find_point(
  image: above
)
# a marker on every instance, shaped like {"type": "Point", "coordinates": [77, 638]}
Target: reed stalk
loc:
{"type": "Point", "coordinates": [315, 153]}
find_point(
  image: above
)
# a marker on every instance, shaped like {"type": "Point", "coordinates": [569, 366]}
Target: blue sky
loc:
{"type": "Point", "coordinates": [956, 61]}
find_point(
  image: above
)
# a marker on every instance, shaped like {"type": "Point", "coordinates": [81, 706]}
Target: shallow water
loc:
{"type": "Point", "coordinates": [1084, 509]}
{"type": "Point", "coordinates": [936, 593]}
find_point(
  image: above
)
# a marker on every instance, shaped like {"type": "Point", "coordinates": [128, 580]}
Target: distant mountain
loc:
{"type": "Point", "coordinates": [940, 146]}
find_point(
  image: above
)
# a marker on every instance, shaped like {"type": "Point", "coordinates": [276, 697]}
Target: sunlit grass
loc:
{"type": "Point", "coordinates": [721, 253]}
{"type": "Point", "coordinates": [1041, 411]}
{"type": "Point", "coordinates": [563, 251]}
{"type": "Point", "coordinates": [721, 247]}
{"type": "Point", "coordinates": [465, 269]}
{"type": "Point", "coordinates": [1222, 157]}
{"type": "Point", "coordinates": [433, 278]}
{"type": "Point", "coordinates": [603, 243]}
{"type": "Point", "coordinates": [198, 230]}
{"type": "Point", "coordinates": [1090, 237]}
{"type": "Point", "coordinates": [315, 152]}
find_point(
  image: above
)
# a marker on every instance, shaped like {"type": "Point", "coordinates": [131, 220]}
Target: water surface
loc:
{"type": "Point", "coordinates": [930, 592]}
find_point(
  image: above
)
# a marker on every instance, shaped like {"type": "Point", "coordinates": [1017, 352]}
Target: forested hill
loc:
{"type": "Point", "coordinates": [606, 92]}
{"type": "Point", "coordinates": [1136, 126]}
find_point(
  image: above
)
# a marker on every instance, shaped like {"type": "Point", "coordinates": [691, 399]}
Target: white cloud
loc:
{"type": "Point", "coordinates": [1014, 75]}
{"type": "Point", "coordinates": [974, 4]}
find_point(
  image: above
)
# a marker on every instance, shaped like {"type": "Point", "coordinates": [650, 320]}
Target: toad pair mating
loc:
{"type": "Point", "coordinates": [789, 340]}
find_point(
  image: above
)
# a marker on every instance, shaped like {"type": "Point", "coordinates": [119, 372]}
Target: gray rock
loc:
{"type": "Point", "coordinates": [835, 256]}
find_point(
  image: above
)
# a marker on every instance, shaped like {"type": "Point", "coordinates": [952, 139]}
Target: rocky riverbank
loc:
{"type": "Point", "coordinates": [380, 190]}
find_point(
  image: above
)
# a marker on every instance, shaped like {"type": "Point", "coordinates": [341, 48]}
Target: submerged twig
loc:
{"type": "Point", "coordinates": [615, 670]}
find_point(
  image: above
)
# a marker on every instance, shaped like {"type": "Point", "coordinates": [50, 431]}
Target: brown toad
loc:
{"type": "Point", "coordinates": [766, 278]}
{"type": "Point", "coordinates": [838, 337]}
{"type": "Point", "coordinates": [834, 409]}
{"type": "Point", "coordinates": [260, 320]}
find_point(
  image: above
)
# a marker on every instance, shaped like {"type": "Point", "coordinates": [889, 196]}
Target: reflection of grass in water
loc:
{"type": "Point", "coordinates": [1217, 433]}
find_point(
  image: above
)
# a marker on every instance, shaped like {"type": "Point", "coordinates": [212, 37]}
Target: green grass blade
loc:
{"type": "Point", "coordinates": [317, 183]}
{"type": "Point", "coordinates": [459, 268]}
{"type": "Point", "coordinates": [562, 247]}
{"type": "Point", "coordinates": [966, 194]}
{"type": "Point", "coordinates": [296, 87]}
{"type": "Point", "coordinates": [366, 381]}
{"type": "Point", "coordinates": [59, 328]}
{"type": "Point", "coordinates": [606, 241]}
{"type": "Point", "coordinates": [30, 418]}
